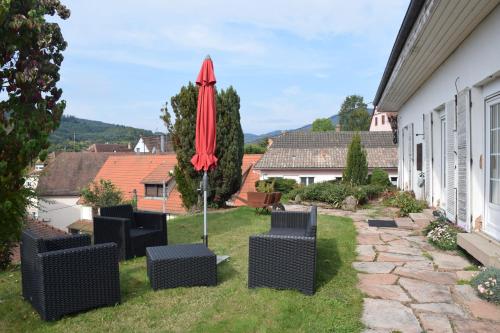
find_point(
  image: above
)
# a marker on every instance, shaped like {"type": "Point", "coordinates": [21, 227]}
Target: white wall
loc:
{"type": "Point", "coordinates": [140, 147]}
{"type": "Point", "coordinates": [32, 182]}
{"type": "Point", "coordinates": [319, 175]}
{"type": "Point", "coordinates": [376, 124]}
{"type": "Point", "coordinates": [59, 212]}
{"type": "Point", "coordinates": [477, 58]}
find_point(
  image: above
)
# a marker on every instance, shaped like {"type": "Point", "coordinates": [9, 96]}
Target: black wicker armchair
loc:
{"type": "Point", "coordinates": [285, 258]}
{"type": "Point", "coordinates": [66, 274]}
{"type": "Point", "coordinates": [131, 231]}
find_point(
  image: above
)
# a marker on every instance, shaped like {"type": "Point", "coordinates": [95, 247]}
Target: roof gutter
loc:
{"type": "Point", "coordinates": [409, 20]}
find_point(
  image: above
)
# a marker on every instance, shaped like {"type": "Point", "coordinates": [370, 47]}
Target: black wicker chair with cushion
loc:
{"type": "Point", "coordinates": [131, 231]}
{"type": "Point", "coordinates": [285, 258]}
{"type": "Point", "coordinates": [66, 274]}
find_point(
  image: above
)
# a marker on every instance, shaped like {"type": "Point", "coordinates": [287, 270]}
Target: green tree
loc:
{"type": "Point", "coordinates": [322, 125]}
{"type": "Point", "coordinates": [356, 170]}
{"type": "Point", "coordinates": [183, 133]}
{"type": "Point", "coordinates": [30, 109]}
{"type": "Point", "coordinates": [353, 115]}
{"type": "Point", "coordinates": [225, 179]}
{"type": "Point", "coordinates": [102, 194]}
{"type": "Point", "coordinates": [259, 147]}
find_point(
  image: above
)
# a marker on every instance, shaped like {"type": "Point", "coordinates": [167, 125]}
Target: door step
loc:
{"type": "Point", "coordinates": [482, 247]}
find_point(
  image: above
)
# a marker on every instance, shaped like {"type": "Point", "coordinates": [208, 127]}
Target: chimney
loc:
{"type": "Point", "coordinates": [162, 143]}
{"type": "Point", "coordinates": [337, 128]}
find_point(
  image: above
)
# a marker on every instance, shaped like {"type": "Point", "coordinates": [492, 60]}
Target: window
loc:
{"type": "Point", "coordinates": [376, 121]}
{"type": "Point", "coordinates": [137, 149]}
{"type": "Point", "coordinates": [495, 154]}
{"type": "Point", "coordinates": [419, 157]}
{"type": "Point", "coordinates": [306, 180]}
{"type": "Point", "coordinates": [154, 190]}
{"type": "Point", "coordinates": [383, 119]}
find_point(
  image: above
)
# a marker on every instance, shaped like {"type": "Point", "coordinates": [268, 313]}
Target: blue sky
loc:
{"type": "Point", "coordinates": [290, 61]}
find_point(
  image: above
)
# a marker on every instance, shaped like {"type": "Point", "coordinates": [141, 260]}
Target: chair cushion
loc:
{"type": "Point", "coordinates": [287, 231]}
{"type": "Point", "coordinates": [139, 232]}
{"type": "Point", "coordinates": [140, 239]}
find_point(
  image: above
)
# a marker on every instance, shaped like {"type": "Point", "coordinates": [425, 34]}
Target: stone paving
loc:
{"type": "Point", "coordinates": [410, 286]}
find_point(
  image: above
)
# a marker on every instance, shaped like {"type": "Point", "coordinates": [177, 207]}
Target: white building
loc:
{"type": "Point", "coordinates": [380, 121]}
{"type": "Point", "coordinates": [59, 186]}
{"type": "Point", "coordinates": [154, 144]}
{"type": "Point", "coordinates": [443, 80]}
{"type": "Point", "coordinates": [313, 157]}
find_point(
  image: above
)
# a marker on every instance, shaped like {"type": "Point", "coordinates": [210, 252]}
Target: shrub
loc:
{"type": "Point", "coordinates": [487, 284]}
{"type": "Point", "coordinates": [443, 236]}
{"type": "Point", "coordinates": [406, 203]}
{"type": "Point", "coordinates": [380, 177]}
{"type": "Point", "coordinates": [373, 190]}
{"type": "Point", "coordinates": [356, 170]}
{"type": "Point", "coordinates": [5, 254]}
{"type": "Point", "coordinates": [282, 185]}
{"type": "Point", "coordinates": [264, 186]}
{"type": "Point", "coordinates": [102, 194]}
{"type": "Point", "coordinates": [334, 192]}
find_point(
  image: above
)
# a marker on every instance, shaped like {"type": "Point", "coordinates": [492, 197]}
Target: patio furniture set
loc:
{"type": "Point", "coordinates": [67, 274]}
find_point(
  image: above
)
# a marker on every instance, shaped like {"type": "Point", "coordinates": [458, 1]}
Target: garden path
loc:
{"type": "Point", "coordinates": [411, 286]}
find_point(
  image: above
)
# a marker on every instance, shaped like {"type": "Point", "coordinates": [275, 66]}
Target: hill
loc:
{"type": "Point", "coordinates": [86, 132]}
{"type": "Point", "coordinates": [251, 138]}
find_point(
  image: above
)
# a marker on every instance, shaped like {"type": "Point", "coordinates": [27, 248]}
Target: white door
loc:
{"type": "Point", "coordinates": [442, 123]}
{"type": "Point", "coordinates": [407, 157]}
{"type": "Point", "coordinates": [492, 197]}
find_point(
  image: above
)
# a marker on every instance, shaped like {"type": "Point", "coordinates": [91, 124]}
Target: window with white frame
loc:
{"type": "Point", "coordinates": [495, 154]}
{"type": "Point", "coordinates": [306, 180]}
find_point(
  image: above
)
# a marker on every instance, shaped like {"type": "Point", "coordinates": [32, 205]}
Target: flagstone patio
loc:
{"type": "Point", "coordinates": [410, 286]}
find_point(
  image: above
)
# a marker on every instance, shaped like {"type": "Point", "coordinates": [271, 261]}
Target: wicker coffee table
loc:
{"type": "Point", "coordinates": [181, 265]}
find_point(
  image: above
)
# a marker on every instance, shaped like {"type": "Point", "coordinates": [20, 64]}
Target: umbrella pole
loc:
{"type": "Point", "coordinates": [205, 186]}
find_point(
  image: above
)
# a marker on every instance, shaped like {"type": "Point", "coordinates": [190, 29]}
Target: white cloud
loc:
{"type": "Point", "coordinates": [295, 49]}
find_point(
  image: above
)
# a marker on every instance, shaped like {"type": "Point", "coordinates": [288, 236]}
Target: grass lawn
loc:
{"type": "Point", "coordinates": [229, 307]}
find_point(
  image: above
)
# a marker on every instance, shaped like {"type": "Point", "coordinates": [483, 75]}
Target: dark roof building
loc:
{"type": "Point", "coordinates": [69, 172]}
{"type": "Point", "coordinates": [327, 150]}
{"type": "Point", "coordinates": [110, 148]}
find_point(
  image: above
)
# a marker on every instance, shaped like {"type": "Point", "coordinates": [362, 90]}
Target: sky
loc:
{"type": "Point", "coordinates": [290, 61]}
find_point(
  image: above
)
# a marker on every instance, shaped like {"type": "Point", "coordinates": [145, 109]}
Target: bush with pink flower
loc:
{"type": "Point", "coordinates": [487, 284]}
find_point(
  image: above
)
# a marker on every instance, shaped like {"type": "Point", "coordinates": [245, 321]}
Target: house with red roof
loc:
{"type": "Point", "coordinates": [148, 176]}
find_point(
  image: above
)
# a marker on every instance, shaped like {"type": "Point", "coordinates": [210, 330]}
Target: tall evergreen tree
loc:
{"type": "Point", "coordinates": [356, 170]}
{"type": "Point", "coordinates": [353, 114]}
{"type": "Point", "coordinates": [183, 133]}
{"type": "Point", "coordinates": [225, 180]}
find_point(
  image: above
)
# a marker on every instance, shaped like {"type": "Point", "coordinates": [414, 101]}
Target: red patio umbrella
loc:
{"type": "Point", "coordinates": [204, 158]}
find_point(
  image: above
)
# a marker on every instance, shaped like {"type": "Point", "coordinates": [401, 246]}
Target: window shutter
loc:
{"type": "Point", "coordinates": [411, 138]}
{"type": "Point", "coordinates": [451, 170]}
{"type": "Point", "coordinates": [428, 157]}
{"type": "Point", "coordinates": [463, 158]}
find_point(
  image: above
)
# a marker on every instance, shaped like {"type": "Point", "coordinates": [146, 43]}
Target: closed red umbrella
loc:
{"type": "Point", "coordinates": [205, 118]}
{"type": "Point", "coordinates": [204, 158]}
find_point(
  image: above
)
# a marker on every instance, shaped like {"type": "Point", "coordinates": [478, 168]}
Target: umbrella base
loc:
{"type": "Point", "coordinates": [221, 259]}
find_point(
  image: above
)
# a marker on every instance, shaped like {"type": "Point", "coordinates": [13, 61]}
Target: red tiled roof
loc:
{"type": "Point", "coordinates": [161, 173]}
{"type": "Point", "coordinates": [129, 172]}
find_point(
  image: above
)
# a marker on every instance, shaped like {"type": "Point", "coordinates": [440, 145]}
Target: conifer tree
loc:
{"type": "Point", "coordinates": [225, 180]}
{"type": "Point", "coordinates": [356, 170]}
{"type": "Point", "coordinates": [183, 133]}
